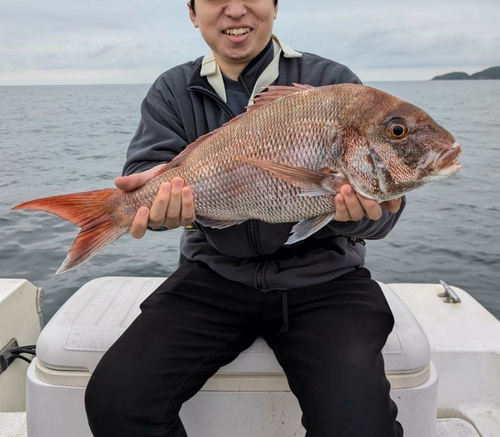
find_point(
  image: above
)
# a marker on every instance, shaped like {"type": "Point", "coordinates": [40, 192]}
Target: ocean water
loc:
{"type": "Point", "coordinates": [63, 139]}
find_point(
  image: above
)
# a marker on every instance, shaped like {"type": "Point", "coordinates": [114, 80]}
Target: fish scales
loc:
{"type": "Point", "coordinates": [278, 135]}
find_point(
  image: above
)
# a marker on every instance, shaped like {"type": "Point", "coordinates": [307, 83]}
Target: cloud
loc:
{"type": "Point", "coordinates": [392, 34]}
{"type": "Point", "coordinates": [135, 41]}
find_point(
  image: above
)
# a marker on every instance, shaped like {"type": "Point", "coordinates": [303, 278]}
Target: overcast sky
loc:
{"type": "Point", "coordinates": [133, 41]}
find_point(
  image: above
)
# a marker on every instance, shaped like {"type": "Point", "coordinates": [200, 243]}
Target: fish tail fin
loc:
{"type": "Point", "coordinates": [99, 215]}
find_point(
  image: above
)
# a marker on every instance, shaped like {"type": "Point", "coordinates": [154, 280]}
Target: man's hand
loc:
{"type": "Point", "coordinates": [352, 206]}
{"type": "Point", "coordinates": [172, 207]}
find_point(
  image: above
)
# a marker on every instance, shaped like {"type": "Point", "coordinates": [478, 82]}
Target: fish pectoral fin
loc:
{"type": "Point", "coordinates": [311, 182]}
{"type": "Point", "coordinates": [306, 228]}
{"type": "Point", "coordinates": [218, 224]}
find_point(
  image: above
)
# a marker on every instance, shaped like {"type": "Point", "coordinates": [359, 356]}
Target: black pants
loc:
{"type": "Point", "coordinates": [197, 321]}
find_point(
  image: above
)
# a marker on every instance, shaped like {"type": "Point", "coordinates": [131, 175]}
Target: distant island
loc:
{"type": "Point", "coordinates": [488, 74]}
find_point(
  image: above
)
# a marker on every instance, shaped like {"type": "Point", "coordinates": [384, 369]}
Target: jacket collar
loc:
{"type": "Point", "coordinates": [212, 73]}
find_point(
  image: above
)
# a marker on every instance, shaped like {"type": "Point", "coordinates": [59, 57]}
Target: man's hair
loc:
{"type": "Point", "coordinates": [192, 4]}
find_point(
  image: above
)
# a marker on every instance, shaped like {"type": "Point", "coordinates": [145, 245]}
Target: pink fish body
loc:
{"type": "Point", "coordinates": [282, 161]}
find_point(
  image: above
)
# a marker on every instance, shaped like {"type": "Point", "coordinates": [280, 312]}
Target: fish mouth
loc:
{"type": "Point", "coordinates": [446, 163]}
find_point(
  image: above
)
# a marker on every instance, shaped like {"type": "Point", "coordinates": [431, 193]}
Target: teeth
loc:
{"type": "Point", "coordinates": [237, 32]}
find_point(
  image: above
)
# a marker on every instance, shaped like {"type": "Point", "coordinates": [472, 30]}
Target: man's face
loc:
{"type": "Point", "coordinates": [235, 30]}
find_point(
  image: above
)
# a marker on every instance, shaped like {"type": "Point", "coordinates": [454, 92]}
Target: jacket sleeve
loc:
{"type": "Point", "coordinates": [367, 229]}
{"type": "Point", "coordinates": [160, 135]}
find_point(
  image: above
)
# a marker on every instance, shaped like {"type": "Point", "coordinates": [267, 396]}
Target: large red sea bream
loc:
{"type": "Point", "coordinates": [282, 161]}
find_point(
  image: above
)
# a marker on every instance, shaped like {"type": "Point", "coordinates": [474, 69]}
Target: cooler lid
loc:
{"type": "Point", "coordinates": [90, 321]}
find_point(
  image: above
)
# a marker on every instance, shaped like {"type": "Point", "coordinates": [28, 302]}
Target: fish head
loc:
{"type": "Point", "coordinates": [394, 147]}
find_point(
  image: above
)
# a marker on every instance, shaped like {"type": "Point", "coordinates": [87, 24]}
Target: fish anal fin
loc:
{"type": "Point", "coordinates": [311, 182]}
{"type": "Point", "coordinates": [307, 227]}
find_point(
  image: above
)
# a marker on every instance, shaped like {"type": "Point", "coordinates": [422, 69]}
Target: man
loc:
{"type": "Point", "coordinates": [313, 302]}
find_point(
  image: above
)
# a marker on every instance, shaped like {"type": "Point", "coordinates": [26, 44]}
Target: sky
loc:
{"type": "Point", "coordinates": [134, 41]}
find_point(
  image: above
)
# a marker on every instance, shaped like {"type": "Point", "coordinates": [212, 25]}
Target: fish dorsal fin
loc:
{"type": "Point", "coordinates": [274, 92]}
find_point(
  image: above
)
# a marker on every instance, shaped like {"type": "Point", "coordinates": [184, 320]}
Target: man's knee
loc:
{"type": "Point", "coordinates": [118, 406]}
{"type": "Point", "coordinates": [105, 415]}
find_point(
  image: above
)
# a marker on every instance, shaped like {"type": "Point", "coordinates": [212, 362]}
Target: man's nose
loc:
{"type": "Point", "coordinates": [235, 8]}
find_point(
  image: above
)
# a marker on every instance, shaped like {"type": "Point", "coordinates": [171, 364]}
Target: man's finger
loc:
{"type": "Point", "coordinates": [392, 206]}
{"type": "Point", "coordinates": [188, 215]}
{"type": "Point", "coordinates": [160, 205]}
{"type": "Point", "coordinates": [372, 209]}
{"type": "Point", "coordinates": [173, 217]}
{"type": "Point", "coordinates": [354, 207]}
{"type": "Point", "coordinates": [341, 212]}
{"type": "Point", "coordinates": [133, 181]}
{"type": "Point", "coordinates": [140, 224]}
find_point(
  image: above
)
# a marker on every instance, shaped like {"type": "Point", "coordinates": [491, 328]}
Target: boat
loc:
{"type": "Point", "coordinates": [442, 360]}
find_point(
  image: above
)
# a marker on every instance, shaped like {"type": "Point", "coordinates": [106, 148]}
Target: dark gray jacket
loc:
{"type": "Point", "coordinates": [181, 106]}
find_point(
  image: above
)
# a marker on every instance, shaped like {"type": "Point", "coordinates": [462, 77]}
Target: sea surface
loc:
{"type": "Point", "coordinates": [63, 139]}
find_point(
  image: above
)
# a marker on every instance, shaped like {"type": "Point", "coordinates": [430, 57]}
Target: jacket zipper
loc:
{"type": "Point", "coordinates": [252, 228]}
{"type": "Point", "coordinates": [227, 109]}
{"type": "Point", "coordinates": [251, 225]}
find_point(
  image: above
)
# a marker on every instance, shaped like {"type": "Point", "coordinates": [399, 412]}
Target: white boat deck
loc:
{"type": "Point", "coordinates": [455, 428]}
{"type": "Point", "coordinates": [14, 425]}
{"type": "Point", "coordinates": [465, 347]}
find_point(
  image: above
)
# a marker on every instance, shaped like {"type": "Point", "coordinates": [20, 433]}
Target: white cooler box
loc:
{"type": "Point", "coordinates": [248, 398]}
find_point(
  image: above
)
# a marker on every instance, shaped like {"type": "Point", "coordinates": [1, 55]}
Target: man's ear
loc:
{"type": "Point", "coordinates": [192, 15]}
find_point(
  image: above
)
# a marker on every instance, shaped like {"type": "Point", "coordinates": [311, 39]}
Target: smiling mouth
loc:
{"type": "Point", "coordinates": [237, 32]}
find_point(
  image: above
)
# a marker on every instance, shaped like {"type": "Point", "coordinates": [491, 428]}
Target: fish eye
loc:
{"type": "Point", "coordinates": [398, 129]}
